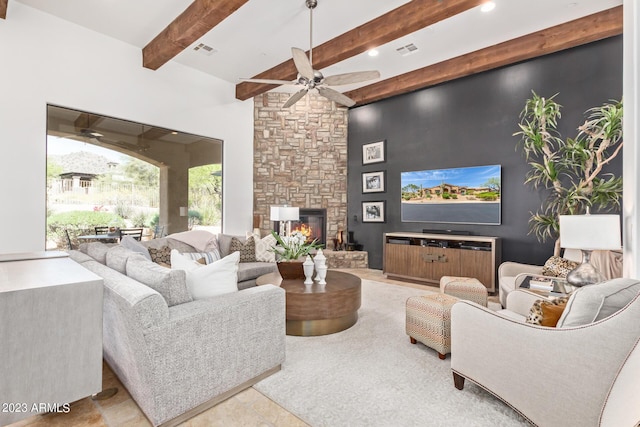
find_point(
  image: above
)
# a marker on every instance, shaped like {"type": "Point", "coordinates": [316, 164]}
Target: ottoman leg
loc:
{"type": "Point", "coordinates": [442, 356]}
{"type": "Point", "coordinates": [413, 340]}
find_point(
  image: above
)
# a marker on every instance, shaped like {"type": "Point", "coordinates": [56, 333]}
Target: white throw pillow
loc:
{"type": "Point", "coordinates": [263, 247]}
{"type": "Point", "coordinates": [204, 281]}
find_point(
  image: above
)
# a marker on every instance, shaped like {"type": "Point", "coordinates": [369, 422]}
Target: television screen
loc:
{"type": "Point", "coordinates": [468, 195]}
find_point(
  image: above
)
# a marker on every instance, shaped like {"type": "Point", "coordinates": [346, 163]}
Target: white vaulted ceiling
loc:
{"type": "Point", "coordinates": [259, 35]}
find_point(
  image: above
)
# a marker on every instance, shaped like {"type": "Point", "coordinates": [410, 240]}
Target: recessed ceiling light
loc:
{"type": "Point", "coordinates": [373, 52]}
{"type": "Point", "coordinates": [488, 6]}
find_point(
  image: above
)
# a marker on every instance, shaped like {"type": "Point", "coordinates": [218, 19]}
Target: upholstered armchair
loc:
{"type": "Point", "coordinates": [511, 274]}
{"type": "Point", "coordinates": [582, 373]}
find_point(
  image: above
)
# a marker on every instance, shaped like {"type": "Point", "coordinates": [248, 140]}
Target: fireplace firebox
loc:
{"type": "Point", "coordinates": [312, 223]}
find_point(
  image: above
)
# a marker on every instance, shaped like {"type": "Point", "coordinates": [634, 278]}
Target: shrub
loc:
{"type": "Point", "coordinates": [487, 196]}
{"type": "Point", "coordinates": [78, 222]}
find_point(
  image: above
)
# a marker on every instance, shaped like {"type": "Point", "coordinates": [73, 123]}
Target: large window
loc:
{"type": "Point", "coordinates": [103, 171]}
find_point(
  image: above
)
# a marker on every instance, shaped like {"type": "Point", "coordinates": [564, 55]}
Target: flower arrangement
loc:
{"type": "Point", "coordinates": [290, 248]}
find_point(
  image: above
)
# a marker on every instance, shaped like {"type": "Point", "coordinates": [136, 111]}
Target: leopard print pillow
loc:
{"type": "Point", "coordinates": [547, 312]}
{"type": "Point", "coordinates": [558, 267]}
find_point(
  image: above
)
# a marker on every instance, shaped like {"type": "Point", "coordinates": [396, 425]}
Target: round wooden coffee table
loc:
{"type": "Point", "coordinates": [319, 309]}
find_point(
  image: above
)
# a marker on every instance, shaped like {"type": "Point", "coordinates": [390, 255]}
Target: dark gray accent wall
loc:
{"type": "Point", "coordinates": [470, 122]}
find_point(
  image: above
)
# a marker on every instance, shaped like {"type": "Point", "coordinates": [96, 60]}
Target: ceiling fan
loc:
{"type": "Point", "coordinates": [313, 79]}
{"type": "Point", "coordinates": [88, 134]}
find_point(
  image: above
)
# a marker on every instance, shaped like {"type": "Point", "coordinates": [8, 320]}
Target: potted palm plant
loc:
{"type": "Point", "coordinates": [570, 169]}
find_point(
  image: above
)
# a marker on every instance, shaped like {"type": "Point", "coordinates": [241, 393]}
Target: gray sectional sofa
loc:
{"type": "Point", "coordinates": [248, 272]}
{"type": "Point", "coordinates": [177, 356]}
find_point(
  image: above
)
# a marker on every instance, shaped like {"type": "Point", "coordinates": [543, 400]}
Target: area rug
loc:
{"type": "Point", "coordinates": [370, 375]}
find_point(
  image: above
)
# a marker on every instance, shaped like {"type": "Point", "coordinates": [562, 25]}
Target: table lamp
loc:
{"type": "Point", "coordinates": [285, 214]}
{"type": "Point", "coordinates": [588, 233]}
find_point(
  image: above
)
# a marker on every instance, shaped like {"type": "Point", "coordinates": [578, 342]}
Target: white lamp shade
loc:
{"type": "Point", "coordinates": [284, 213]}
{"type": "Point", "coordinates": [590, 232]}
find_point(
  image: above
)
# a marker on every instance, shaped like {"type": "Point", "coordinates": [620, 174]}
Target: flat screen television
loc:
{"type": "Point", "coordinates": [469, 195]}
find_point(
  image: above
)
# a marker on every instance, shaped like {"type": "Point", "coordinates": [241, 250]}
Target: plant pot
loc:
{"type": "Point", "coordinates": [291, 270]}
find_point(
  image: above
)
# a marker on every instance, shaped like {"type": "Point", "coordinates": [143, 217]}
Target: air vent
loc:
{"type": "Point", "coordinates": [407, 50]}
{"type": "Point", "coordinates": [205, 49]}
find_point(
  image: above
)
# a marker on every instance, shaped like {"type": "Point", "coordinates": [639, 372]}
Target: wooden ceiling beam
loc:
{"type": "Point", "coordinates": [564, 36]}
{"type": "Point", "coordinates": [196, 20]}
{"type": "Point", "coordinates": [406, 19]}
{"type": "Point", "coordinates": [3, 8]}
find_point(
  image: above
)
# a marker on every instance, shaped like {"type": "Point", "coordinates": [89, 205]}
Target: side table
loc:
{"type": "Point", "coordinates": [51, 334]}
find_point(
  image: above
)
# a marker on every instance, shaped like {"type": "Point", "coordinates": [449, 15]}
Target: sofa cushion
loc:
{"type": "Point", "coordinates": [247, 249]}
{"type": "Point", "coordinates": [252, 270]}
{"type": "Point", "coordinates": [594, 302]}
{"type": "Point", "coordinates": [135, 300]}
{"type": "Point", "coordinates": [135, 246]}
{"type": "Point", "coordinates": [224, 243]}
{"type": "Point", "coordinates": [98, 251]}
{"type": "Point", "coordinates": [79, 257]}
{"type": "Point", "coordinates": [204, 281]}
{"type": "Point", "coordinates": [171, 243]}
{"type": "Point", "coordinates": [117, 257]}
{"type": "Point", "coordinates": [558, 267]}
{"type": "Point", "coordinates": [171, 284]}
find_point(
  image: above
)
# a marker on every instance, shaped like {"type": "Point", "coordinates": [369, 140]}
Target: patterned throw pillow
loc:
{"type": "Point", "coordinates": [547, 313]}
{"type": "Point", "coordinates": [247, 249]}
{"type": "Point", "coordinates": [263, 247]}
{"type": "Point", "coordinates": [161, 255]}
{"type": "Point", "coordinates": [203, 257]}
{"type": "Point", "coordinates": [558, 267]}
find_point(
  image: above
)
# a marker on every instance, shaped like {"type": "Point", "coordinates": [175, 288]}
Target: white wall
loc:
{"type": "Point", "coordinates": [47, 60]}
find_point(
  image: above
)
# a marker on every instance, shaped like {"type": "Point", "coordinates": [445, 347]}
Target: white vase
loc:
{"type": "Point", "coordinates": [322, 275]}
{"type": "Point", "coordinates": [319, 260]}
{"type": "Point", "coordinates": [308, 267]}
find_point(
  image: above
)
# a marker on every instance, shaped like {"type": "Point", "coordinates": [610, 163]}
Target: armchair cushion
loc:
{"type": "Point", "coordinates": [594, 302]}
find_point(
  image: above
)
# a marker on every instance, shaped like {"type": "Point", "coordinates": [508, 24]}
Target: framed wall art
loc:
{"type": "Point", "coordinates": [373, 182]}
{"type": "Point", "coordinates": [373, 153]}
{"type": "Point", "coordinates": [373, 211]}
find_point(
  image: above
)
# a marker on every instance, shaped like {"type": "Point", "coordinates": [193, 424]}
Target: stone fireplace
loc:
{"type": "Point", "coordinates": [312, 224]}
{"type": "Point", "coordinates": [300, 159]}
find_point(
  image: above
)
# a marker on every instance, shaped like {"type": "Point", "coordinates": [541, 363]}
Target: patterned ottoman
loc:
{"type": "Point", "coordinates": [465, 288]}
{"type": "Point", "coordinates": [429, 321]}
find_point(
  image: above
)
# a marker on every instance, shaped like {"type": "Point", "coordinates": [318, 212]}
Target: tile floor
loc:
{"type": "Point", "coordinates": [245, 409]}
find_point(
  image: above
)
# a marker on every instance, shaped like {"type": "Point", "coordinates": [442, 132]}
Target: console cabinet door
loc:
{"type": "Point", "coordinates": [421, 262]}
{"type": "Point", "coordinates": [477, 264]}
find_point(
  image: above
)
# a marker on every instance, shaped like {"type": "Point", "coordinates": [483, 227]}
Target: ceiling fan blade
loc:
{"type": "Point", "coordinates": [348, 78]}
{"type": "Point", "coordinates": [336, 96]}
{"type": "Point", "coordinates": [302, 63]}
{"type": "Point", "coordinates": [269, 81]}
{"type": "Point", "coordinates": [295, 98]}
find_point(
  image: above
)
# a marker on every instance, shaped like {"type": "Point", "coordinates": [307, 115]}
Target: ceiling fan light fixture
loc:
{"type": "Point", "coordinates": [309, 78]}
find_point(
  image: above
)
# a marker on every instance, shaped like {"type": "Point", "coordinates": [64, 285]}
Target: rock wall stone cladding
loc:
{"type": "Point", "coordinates": [300, 158]}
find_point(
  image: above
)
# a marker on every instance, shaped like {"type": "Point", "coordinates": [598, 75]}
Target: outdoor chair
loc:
{"type": "Point", "coordinates": [158, 231]}
{"type": "Point", "coordinates": [136, 233]}
{"type": "Point", "coordinates": [69, 244]}
{"type": "Point", "coordinates": [101, 230]}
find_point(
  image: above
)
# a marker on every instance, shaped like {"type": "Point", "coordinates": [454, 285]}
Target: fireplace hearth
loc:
{"type": "Point", "coordinates": [312, 223]}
